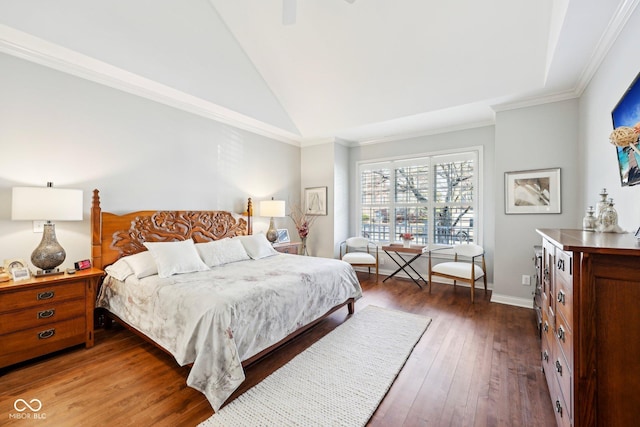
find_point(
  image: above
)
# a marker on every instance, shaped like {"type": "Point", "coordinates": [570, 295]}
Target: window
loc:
{"type": "Point", "coordinates": [435, 198]}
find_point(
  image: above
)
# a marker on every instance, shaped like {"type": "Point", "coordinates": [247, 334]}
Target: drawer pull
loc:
{"type": "Point", "coordinates": [545, 356]}
{"type": "Point", "coordinates": [558, 367]}
{"type": "Point", "coordinates": [560, 264]}
{"type": "Point", "coordinates": [45, 314]}
{"type": "Point", "coordinates": [46, 334]}
{"type": "Point", "coordinates": [561, 297]}
{"type": "Point", "coordinates": [546, 326]}
{"type": "Point", "coordinates": [46, 295]}
{"type": "Point", "coordinates": [561, 333]}
{"type": "Point", "coordinates": [559, 407]}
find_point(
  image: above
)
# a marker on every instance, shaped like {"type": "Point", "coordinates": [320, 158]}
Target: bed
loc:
{"type": "Point", "coordinates": [225, 307]}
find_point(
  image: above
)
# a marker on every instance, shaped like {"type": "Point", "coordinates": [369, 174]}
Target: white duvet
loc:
{"type": "Point", "coordinates": [216, 319]}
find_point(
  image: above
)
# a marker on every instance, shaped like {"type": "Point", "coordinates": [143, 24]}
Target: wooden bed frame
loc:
{"type": "Point", "coordinates": [114, 236]}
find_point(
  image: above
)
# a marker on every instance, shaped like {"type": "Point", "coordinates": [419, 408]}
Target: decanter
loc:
{"type": "Point", "coordinates": [589, 221]}
{"type": "Point", "coordinates": [609, 217]}
{"type": "Point", "coordinates": [601, 205]}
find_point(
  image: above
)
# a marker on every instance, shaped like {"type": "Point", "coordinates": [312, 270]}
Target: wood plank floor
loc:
{"type": "Point", "coordinates": [476, 365]}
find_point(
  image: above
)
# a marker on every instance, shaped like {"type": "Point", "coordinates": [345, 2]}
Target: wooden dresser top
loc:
{"type": "Point", "coordinates": [592, 242]}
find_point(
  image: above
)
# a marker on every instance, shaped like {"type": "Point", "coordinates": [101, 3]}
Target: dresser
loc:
{"type": "Point", "coordinates": [42, 315]}
{"type": "Point", "coordinates": [590, 345]}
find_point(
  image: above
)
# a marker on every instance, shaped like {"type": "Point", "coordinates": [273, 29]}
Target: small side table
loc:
{"type": "Point", "coordinates": [416, 250]}
{"type": "Point", "coordinates": [288, 248]}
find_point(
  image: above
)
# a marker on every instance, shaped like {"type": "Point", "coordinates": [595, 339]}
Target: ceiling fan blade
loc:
{"type": "Point", "coordinates": [289, 12]}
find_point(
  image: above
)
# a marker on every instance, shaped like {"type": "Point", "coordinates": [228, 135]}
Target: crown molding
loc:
{"type": "Point", "coordinates": [25, 46]}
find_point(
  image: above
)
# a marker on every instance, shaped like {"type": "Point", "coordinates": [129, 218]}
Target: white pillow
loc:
{"type": "Point", "coordinates": [142, 264]}
{"type": "Point", "coordinates": [176, 257]}
{"type": "Point", "coordinates": [220, 252]}
{"type": "Point", "coordinates": [119, 270]}
{"type": "Point", "coordinates": [257, 246]}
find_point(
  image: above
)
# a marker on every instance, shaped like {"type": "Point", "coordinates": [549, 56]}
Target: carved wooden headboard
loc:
{"type": "Point", "coordinates": [114, 236]}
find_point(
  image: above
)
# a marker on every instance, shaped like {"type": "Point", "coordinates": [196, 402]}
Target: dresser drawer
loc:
{"type": "Point", "coordinates": [564, 265]}
{"type": "Point", "coordinates": [563, 377]}
{"type": "Point", "coordinates": [46, 294]}
{"type": "Point", "coordinates": [564, 337]}
{"type": "Point", "coordinates": [564, 301]}
{"type": "Point", "coordinates": [41, 315]}
{"type": "Point", "coordinates": [30, 343]}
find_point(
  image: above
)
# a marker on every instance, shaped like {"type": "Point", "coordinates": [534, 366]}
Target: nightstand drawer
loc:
{"type": "Point", "coordinates": [46, 294]}
{"type": "Point", "coordinates": [30, 343]}
{"type": "Point", "coordinates": [41, 315]}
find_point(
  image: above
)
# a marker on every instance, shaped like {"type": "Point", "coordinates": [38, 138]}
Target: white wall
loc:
{"type": "Point", "coordinates": [540, 137]}
{"type": "Point", "coordinates": [140, 154]}
{"type": "Point", "coordinates": [598, 157]}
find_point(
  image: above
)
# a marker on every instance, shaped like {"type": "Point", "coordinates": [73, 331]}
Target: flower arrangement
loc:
{"type": "Point", "coordinates": [302, 220]}
{"type": "Point", "coordinates": [406, 236]}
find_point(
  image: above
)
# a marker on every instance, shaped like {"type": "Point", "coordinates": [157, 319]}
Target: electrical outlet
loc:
{"type": "Point", "coordinates": [526, 280]}
{"type": "Point", "coordinates": [38, 226]}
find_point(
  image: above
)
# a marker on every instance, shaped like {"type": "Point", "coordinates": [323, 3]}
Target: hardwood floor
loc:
{"type": "Point", "coordinates": [476, 365]}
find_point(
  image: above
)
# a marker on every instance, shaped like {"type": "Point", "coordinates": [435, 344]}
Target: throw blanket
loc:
{"type": "Point", "coordinates": [215, 319]}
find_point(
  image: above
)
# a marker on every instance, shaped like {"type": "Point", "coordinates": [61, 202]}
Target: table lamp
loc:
{"type": "Point", "coordinates": [274, 209]}
{"type": "Point", "coordinates": [46, 204]}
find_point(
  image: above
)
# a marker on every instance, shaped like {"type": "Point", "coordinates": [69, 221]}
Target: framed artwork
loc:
{"type": "Point", "coordinates": [532, 192]}
{"type": "Point", "coordinates": [315, 200]}
{"type": "Point", "coordinates": [10, 264]}
{"type": "Point", "coordinates": [283, 235]}
{"type": "Point", "coordinates": [627, 113]}
{"type": "Point", "coordinates": [20, 273]}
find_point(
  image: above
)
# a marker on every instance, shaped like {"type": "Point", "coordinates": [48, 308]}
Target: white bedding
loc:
{"type": "Point", "coordinates": [215, 319]}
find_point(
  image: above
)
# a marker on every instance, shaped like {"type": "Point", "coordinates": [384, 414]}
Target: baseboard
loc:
{"type": "Point", "coordinates": [510, 300]}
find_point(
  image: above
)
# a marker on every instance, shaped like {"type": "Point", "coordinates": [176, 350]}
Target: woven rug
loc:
{"type": "Point", "coordinates": [338, 381]}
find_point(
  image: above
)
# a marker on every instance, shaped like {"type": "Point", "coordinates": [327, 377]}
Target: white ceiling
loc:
{"type": "Point", "coordinates": [361, 71]}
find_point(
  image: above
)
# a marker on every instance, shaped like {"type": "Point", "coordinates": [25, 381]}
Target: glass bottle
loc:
{"type": "Point", "coordinates": [609, 217]}
{"type": "Point", "coordinates": [589, 221]}
{"type": "Point", "coordinates": [601, 206]}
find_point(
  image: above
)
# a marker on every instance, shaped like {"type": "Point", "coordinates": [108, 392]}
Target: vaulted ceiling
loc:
{"type": "Point", "coordinates": [358, 71]}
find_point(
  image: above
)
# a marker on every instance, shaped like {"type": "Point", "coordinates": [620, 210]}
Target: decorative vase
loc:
{"type": "Point", "coordinates": [406, 243]}
{"type": "Point", "coordinates": [589, 221]}
{"type": "Point", "coordinates": [609, 217]}
{"type": "Point", "coordinates": [303, 248]}
{"type": "Point", "coordinates": [601, 206]}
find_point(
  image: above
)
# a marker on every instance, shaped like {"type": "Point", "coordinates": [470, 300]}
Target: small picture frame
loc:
{"type": "Point", "coordinates": [10, 264]}
{"type": "Point", "coordinates": [283, 235]}
{"type": "Point", "coordinates": [20, 273]}
{"type": "Point", "coordinates": [532, 192]}
{"type": "Point", "coordinates": [315, 200]}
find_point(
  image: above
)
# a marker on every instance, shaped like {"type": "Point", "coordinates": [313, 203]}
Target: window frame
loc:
{"type": "Point", "coordinates": [393, 162]}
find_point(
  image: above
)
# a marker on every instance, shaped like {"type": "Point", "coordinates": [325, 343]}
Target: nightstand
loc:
{"type": "Point", "coordinates": [46, 314]}
{"type": "Point", "coordinates": [288, 248]}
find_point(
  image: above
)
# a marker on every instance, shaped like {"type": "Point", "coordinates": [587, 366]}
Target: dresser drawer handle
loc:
{"type": "Point", "coordinates": [560, 264]}
{"type": "Point", "coordinates": [561, 333]}
{"type": "Point", "coordinates": [46, 295]}
{"type": "Point", "coordinates": [546, 326]}
{"type": "Point", "coordinates": [561, 297]}
{"type": "Point", "coordinates": [558, 367]}
{"type": "Point", "coordinates": [46, 334]}
{"type": "Point", "coordinates": [559, 407]}
{"type": "Point", "coordinates": [545, 356]}
{"type": "Point", "coordinates": [45, 314]}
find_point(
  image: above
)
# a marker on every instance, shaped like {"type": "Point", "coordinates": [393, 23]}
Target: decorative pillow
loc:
{"type": "Point", "coordinates": [176, 257]}
{"type": "Point", "coordinates": [221, 252]}
{"type": "Point", "coordinates": [119, 270]}
{"type": "Point", "coordinates": [257, 246]}
{"type": "Point", "coordinates": [142, 264]}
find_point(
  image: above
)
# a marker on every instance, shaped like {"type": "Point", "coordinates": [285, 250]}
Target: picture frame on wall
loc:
{"type": "Point", "coordinates": [535, 191]}
{"type": "Point", "coordinates": [627, 113]}
{"type": "Point", "coordinates": [283, 235]}
{"type": "Point", "coordinates": [315, 200]}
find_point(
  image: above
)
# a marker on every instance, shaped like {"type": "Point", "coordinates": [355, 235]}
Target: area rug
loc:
{"type": "Point", "coordinates": [338, 381]}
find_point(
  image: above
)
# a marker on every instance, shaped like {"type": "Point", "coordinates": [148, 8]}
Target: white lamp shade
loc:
{"type": "Point", "coordinates": [272, 208]}
{"type": "Point", "coordinates": [46, 203]}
